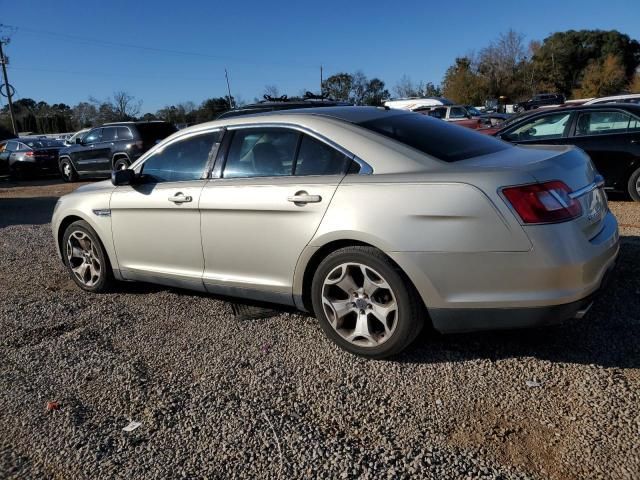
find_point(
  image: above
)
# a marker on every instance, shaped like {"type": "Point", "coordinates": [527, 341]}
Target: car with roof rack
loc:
{"type": "Point", "coordinates": [272, 104]}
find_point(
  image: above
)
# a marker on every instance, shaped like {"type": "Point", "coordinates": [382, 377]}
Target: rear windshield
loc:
{"type": "Point", "coordinates": [152, 132]}
{"type": "Point", "coordinates": [42, 143]}
{"type": "Point", "coordinates": [449, 143]}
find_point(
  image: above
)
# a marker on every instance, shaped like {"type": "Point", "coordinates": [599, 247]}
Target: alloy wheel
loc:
{"type": "Point", "coordinates": [83, 258]}
{"type": "Point", "coordinates": [66, 169]}
{"type": "Point", "coordinates": [359, 304]}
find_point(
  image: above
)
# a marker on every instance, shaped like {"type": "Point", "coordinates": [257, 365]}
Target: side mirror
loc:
{"type": "Point", "coordinates": [123, 177]}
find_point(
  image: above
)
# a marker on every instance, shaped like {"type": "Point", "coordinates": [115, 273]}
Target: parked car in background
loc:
{"type": "Point", "coordinates": [540, 100]}
{"type": "Point", "coordinates": [609, 133]}
{"type": "Point", "coordinates": [73, 139]}
{"type": "Point", "coordinates": [24, 157]}
{"type": "Point", "coordinates": [271, 104]}
{"type": "Point", "coordinates": [452, 113]}
{"type": "Point", "coordinates": [630, 98]}
{"type": "Point", "coordinates": [113, 146]}
{"type": "Point", "coordinates": [414, 103]}
{"type": "Point", "coordinates": [375, 220]}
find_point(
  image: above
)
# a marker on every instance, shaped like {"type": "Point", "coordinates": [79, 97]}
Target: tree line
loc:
{"type": "Point", "coordinates": [578, 64]}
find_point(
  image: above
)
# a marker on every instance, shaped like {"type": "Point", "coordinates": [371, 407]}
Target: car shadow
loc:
{"type": "Point", "coordinates": [26, 210]}
{"type": "Point", "coordinates": [608, 336]}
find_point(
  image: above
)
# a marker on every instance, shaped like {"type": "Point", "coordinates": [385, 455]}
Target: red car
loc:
{"type": "Point", "coordinates": [457, 114]}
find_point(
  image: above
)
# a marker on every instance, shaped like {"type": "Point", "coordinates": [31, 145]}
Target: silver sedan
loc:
{"type": "Point", "coordinates": [376, 221]}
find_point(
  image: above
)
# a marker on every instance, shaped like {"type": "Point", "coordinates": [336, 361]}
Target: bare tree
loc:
{"type": "Point", "coordinates": [271, 91]}
{"type": "Point", "coordinates": [125, 106]}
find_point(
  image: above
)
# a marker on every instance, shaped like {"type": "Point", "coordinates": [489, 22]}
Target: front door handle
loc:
{"type": "Point", "coordinates": [180, 198]}
{"type": "Point", "coordinates": [635, 140]}
{"type": "Point", "coordinates": [302, 198]}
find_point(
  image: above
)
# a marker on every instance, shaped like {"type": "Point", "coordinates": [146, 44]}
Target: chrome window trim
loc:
{"type": "Point", "coordinates": [365, 168]}
{"type": "Point", "coordinates": [138, 164]}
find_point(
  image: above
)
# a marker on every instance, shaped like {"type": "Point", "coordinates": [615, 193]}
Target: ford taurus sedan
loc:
{"type": "Point", "coordinates": [376, 221]}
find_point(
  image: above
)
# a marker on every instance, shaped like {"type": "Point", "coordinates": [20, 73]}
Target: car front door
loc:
{"type": "Point", "coordinates": [85, 155]}
{"type": "Point", "coordinates": [612, 139]}
{"type": "Point", "coordinates": [264, 208]}
{"type": "Point", "coordinates": [102, 151]}
{"type": "Point", "coordinates": [156, 221]}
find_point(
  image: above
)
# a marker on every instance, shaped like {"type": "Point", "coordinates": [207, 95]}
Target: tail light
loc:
{"type": "Point", "coordinates": [547, 202]}
{"type": "Point", "coordinates": [29, 153]}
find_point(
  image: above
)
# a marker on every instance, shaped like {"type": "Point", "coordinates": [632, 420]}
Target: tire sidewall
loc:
{"type": "Point", "coordinates": [631, 186]}
{"type": "Point", "coordinates": [73, 176]}
{"type": "Point", "coordinates": [105, 275]}
{"type": "Point", "coordinates": [119, 162]}
{"type": "Point", "coordinates": [405, 326]}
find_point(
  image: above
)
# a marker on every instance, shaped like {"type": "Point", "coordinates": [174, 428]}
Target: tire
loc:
{"type": "Point", "coordinates": [97, 276]}
{"type": "Point", "coordinates": [633, 186]}
{"type": "Point", "coordinates": [393, 299]}
{"type": "Point", "coordinates": [67, 170]}
{"type": "Point", "coordinates": [121, 164]}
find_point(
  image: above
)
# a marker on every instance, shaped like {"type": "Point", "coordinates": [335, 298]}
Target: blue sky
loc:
{"type": "Point", "coordinates": [263, 43]}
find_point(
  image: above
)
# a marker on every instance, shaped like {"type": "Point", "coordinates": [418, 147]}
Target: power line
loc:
{"type": "Point", "coordinates": [109, 43]}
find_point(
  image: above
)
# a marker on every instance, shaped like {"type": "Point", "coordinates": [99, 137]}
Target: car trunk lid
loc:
{"type": "Point", "coordinates": [567, 164]}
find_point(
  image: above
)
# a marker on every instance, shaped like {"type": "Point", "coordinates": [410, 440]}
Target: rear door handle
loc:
{"type": "Point", "coordinates": [180, 198]}
{"type": "Point", "coordinates": [302, 198]}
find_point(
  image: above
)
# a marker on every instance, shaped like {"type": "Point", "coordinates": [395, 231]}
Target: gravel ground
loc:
{"type": "Point", "coordinates": [272, 398]}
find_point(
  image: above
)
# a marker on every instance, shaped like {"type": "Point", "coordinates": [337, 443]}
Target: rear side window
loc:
{"type": "Point", "coordinates": [318, 158]}
{"type": "Point", "coordinates": [108, 134]}
{"type": "Point", "coordinates": [602, 123]}
{"type": "Point", "coordinates": [261, 153]}
{"type": "Point", "coordinates": [449, 143]}
{"type": "Point", "coordinates": [152, 132]}
{"type": "Point", "coordinates": [124, 133]}
{"type": "Point", "coordinates": [183, 160]}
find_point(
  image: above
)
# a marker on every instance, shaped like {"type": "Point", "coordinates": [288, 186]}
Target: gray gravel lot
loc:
{"type": "Point", "coordinates": [272, 398]}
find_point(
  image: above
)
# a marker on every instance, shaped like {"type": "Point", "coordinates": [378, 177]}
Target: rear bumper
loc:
{"type": "Point", "coordinates": [452, 320]}
{"type": "Point", "coordinates": [552, 282]}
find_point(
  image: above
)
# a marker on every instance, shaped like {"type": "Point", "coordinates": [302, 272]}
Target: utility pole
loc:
{"type": "Point", "coordinates": [226, 75]}
{"type": "Point", "coordinates": [7, 86]}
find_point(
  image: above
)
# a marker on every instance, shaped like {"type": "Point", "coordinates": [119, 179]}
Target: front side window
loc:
{"type": "Point", "coordinates": [268, 152]}
{"type": "Point", "coordinates": [438, 113]}
{"type": "Point", "coordinates": [93, 136]}
{"type": "Point", "coordinates": [183, 160]}
{"type": "Point", "coordinates": [602, 123]}
{"type": "Point", "coordinates": [458, 112]}
{"type": "Point", "coordinates": [546, 127]}
{"type": "Point", "coordinates": [318, 158]}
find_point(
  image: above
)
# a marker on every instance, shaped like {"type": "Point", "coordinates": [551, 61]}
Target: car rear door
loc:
{"type": "Point", "coordinates": [156, 222]}
{"type": "Point", "coordinates": [85, 156]}
{"type": "Point", "coordinates": [611, 138]}
{"type": "Point", "coordinates": [273, 187]}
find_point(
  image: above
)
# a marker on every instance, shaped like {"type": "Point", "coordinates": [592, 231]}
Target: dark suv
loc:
{"type": "Point", "coordinates": [113, 146]}
{"type": "Point", "coordinates": [541, 100]}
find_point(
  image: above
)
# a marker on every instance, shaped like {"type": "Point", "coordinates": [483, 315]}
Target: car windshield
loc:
{"type": "Point", "coordinates": [474, 111]}
{"type": "Point", "coordinates": [152, 132]}
{"type": "Point", "coordinates": [445, 142]}
{"type": "Point", "coordinates": [42, 143]}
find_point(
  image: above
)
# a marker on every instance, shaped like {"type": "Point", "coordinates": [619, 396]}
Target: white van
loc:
{"type": "Point", "coordinates": [413, 103]}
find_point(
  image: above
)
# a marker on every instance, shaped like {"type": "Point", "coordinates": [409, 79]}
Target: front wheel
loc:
{"type": "Point", "coordinates": [121, 164]}
{"type": "Point", "coordinates": [69, 173]}
{"type": "Point", "coordinates": [86, 258]}
{"type": "Point", "coordinates": [365, 303]}
{"type": "Point", "coordinates": [634, 186]}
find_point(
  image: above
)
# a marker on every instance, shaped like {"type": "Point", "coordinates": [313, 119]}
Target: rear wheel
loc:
{"type": "Point", "coordinates": [69, 173]}
{"type": "Point", "coordinates": [634, 186]}
{"type": "Point", "coordinates": [121, 164]}
{"type": "Point", "coordinates": [365, 304]}
{"type": "Point", "coordinates": [86, 258]}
